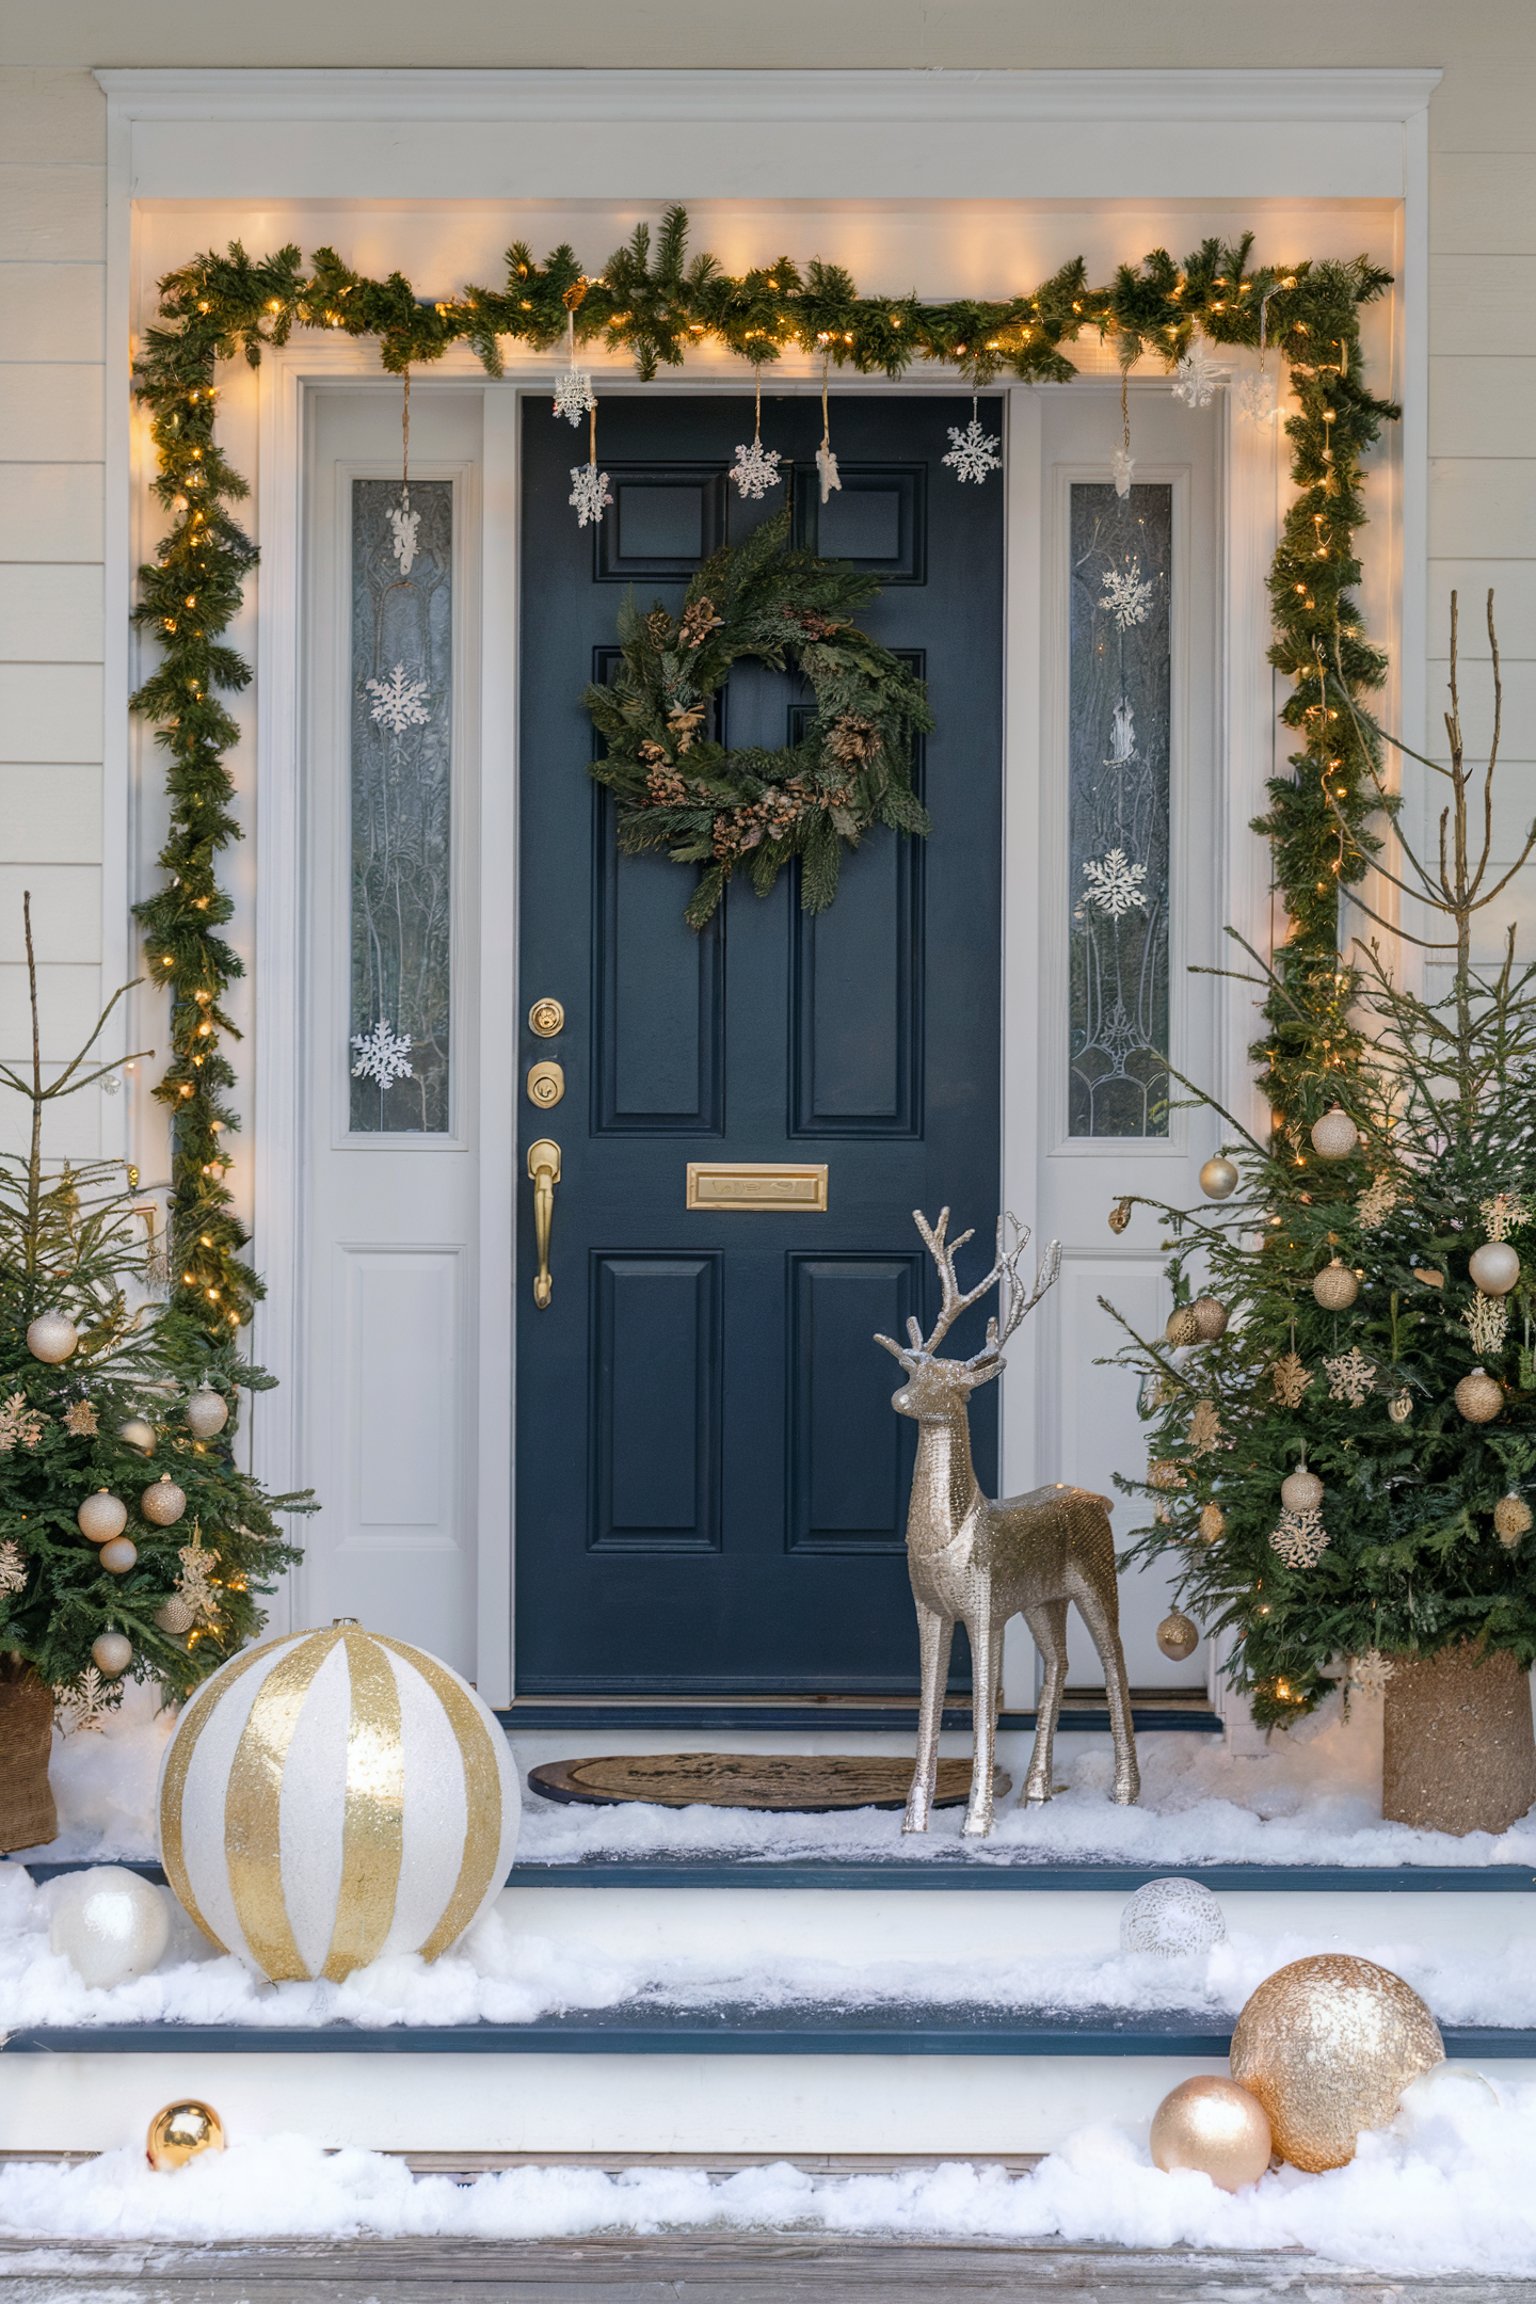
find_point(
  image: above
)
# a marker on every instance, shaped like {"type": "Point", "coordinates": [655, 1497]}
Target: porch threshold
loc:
{"type": "Point", "coordinates": [1085, 1714]}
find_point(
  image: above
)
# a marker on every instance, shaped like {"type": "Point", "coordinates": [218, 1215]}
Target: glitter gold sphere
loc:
{"type": "Point", "coordinates": [1479, 1396]}
{"type": "Point", "coordinates": [162, 1502]}
{"type": "Point", "coordinates": [179, 2132]}
{"type": "Point", "coordinates": [1328, 2045]}
{"type": "Point", "coordinates": [1219, 1178]}
{"type": "Point", "coordinates": [1215, 2126]}
{"type": "Point", "coordinates": [1301, 1491]}
{"type": "Point", "coordinates": [1177, 1636]}
{"type": "Point", "coordinates": [111, 1653]}
{"type": "Point", "coordinates": [175, 1616]}
{"type": "Point", "coordinates": [1511, 1518]}
{"type": "Point", "coordinates": [1335, 1136]}
{"type": "Point", "coordinates": [206, 1412]}
{"type": "Point", "coordinates": [1335, 1287]}
{"type": "Point", "coordinates": [1210, 1318]}
{"type": "Point", "coordinates": [101, 1517]}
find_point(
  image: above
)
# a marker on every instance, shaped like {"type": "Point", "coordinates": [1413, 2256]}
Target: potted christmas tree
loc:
{"type": "Point", "coordinates": [1343, 1406]}
{"type": "Point", "coordinates": [131, 1542]}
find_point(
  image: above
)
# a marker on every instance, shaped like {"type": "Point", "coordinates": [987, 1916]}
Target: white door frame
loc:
{"type": "Point", "coordinates": [875, 141]}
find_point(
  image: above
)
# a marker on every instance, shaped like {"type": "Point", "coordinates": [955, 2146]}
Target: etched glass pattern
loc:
{"type": "Point", "coordinates": [1118, 737]}
{"type": "Point", "coordinates": [401, 852]}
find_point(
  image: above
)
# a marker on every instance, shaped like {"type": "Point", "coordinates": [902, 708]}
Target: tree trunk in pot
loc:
{"type": "Point", "coordinates": [1458, 1753]}
{"type": "Point", "coordinates": [28, 1817]}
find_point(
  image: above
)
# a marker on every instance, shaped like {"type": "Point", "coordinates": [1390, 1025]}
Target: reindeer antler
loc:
{"type": "Point", "coordinates": [1004, 1275]}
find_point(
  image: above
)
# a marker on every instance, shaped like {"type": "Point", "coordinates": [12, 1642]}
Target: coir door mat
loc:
{"type": "Point", "coordinates": [796, 1783]}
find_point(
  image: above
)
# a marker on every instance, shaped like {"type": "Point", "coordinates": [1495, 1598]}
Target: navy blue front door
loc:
{"type": "Point", "coordinates": [711, 1481]}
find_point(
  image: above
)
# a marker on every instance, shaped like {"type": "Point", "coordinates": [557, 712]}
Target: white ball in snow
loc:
{"type": "Point", "coordinates": [1172, 1918]}
{"type": "Point", "coordinates": [108, 1923]}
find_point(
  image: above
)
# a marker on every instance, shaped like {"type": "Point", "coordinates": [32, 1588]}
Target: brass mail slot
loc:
{"type": "Point", "coordinates": [798, 1188]}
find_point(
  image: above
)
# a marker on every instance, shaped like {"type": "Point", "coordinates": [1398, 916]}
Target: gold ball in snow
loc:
{"type": "Point", "coordinates": [1335, 1287]}
{"type": "Point", "coordinates": [1479, 1397]}
{"type": "Point", "coordinates": [1511, 1519]}
{"type": "Point", "coordinates": [180, 2132]}
{"type": "Point", "coordinates": [1328, 2045]}
{"type": "Point", "coordinates": [1335, 1136]}
{"type": "Point", "coordinates": [1177, 1636]}
{"type": "Point", "coordinates": [1215, 2126]}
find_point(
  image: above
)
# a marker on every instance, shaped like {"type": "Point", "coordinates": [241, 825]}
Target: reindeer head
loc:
{"type": "Point", "coordinates": [935, 1387]}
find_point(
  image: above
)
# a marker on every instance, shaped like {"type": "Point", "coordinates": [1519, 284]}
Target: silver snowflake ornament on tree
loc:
{"type": "Point", "coordinates": [1127, 594]}
{"type": "Point", "coordinates": [973, 452]}
{"type": "Point", "coordinates": [1197, 375]}
{"type": "Point", "coordinates": [1114, 885]}
{"type": "Point", "coordinates": [589, 494]}
{"type": "Point", "coordinates": [382, 1055]}
{"type": "Point", "coordinates": [756, 469]}
{"type": "Point", "coordinates": [1350, 1377]}
{"type": "Point", "coordinates": [399, 702]}
{"type": "Point", "coordinates": [574, 396]}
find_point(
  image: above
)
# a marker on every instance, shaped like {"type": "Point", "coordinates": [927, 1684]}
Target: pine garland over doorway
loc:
{"type": "Point", "coordinates": [657, 303]}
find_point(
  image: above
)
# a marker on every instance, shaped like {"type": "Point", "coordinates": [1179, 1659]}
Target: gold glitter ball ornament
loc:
{"type": "Point", "coordinates": [52, 1337]}
{"type": "Point", "coordinates": [111, 1653]}
{"type": "Point", "coordinates": [1210, 1319]}
{"type": "Point", "coordinates": [1213, 1524]}
{"type": "Point", "coordinates": [1177, 1636]}
{"type": "Point", "coordinates": [1479, 1397]}
{"type": "Point", "coordinates": [1511, 1518]}
{"type": "Point", "coordinates": [1301, 1491]}
{"type": "Point", "coordinates": [336, 1798]}
{"type": "Point", "coordinates": [180, 2132]}
{"type": "Point", "coordinates": [1335, 1287]}
{"type": "Point", "coordinates": [1328, 2045]}
{"type": "Point", "coordinates": [1335, 1136]}
{"type": "Point", "coordinates": [162, 1502]}
{"type": "Point", "coordinates": [1494, 1267]}
{"type": "Point", "coordinates": [174, 1616]}
{"type": "Point", "coordinates": [118, 1555]}
{"type": "Point", "coordinates": [1181, 1328]}
{"type": "Point", "coordinates": [206, 1412]}
{"type": "Point", "coordinates": [1219, 1178]}
{"type": "Point", "coordinates": [1214, 2126]}
{"type": "Point", "coordinates": [101, 1517]}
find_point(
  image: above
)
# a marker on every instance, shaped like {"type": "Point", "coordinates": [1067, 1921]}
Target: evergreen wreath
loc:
{"type": "Point", "coordinates": [704, 802]}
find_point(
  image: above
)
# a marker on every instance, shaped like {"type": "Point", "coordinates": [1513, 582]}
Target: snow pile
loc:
{"type": "Point", "coordinates": [104, 1780]}
{"type": "Point", "coordinates": [1445, 2190]}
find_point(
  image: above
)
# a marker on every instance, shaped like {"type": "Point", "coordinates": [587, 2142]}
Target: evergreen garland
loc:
{"type": "Point", "coordinates": [657, 302]}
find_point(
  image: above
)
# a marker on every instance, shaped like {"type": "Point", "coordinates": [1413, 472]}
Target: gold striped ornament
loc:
{"type": "Point", "coordinates": [333, 1797]}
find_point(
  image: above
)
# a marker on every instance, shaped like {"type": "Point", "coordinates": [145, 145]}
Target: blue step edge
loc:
{"type": "Point", "coordinates": [725, 2031]}
{"type": "Point", "coordinates": [583, 1716]}
{"type": "Point", "coordinates": [957, 1871]}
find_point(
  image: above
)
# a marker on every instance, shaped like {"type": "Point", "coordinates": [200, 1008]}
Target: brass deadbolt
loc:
{"type": "Point", "coordinates": [546, 1085]}
{"type": "Point", "coordinates": [546, 1018]}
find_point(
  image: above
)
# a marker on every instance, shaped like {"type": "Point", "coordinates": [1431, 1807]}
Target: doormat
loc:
{"type": "Point", "coordinates": [798, 1783]}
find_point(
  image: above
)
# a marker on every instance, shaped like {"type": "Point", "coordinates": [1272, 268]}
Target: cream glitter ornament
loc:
{"type": "Point", "coordinates": [163, 1503]}
{"type": "Point", "coordinates": [1219, 1178]}
{"type": "Point", "coordinates": [1479, 1397]}
{"type": "Point", "coordinates": [1335, 1287]}
{"type": "Point", "coordinates": [1511, 1519]}
{"type": "Point", "coordinates": [1213, 1524]}
{"type": "Point", "coordinates": [135, 1433]}
{"type": "Point", "coordinates": [52, 1337]}
{"type": "Point", "coordinates": [1400, 1406]}
{"type": "Point", "coordinates": [1494, 1267]}
{"type": "Point", "coordinates": [101, 1517]}
{"type": "Point", "coordinates": [1301, 1490]}
{"type": "Point", "coordinates": [206, 1412]}
{"type": "Point", "coordinates": [108, 1923]}
{"type": "Point", "coordinates": [1210, 1318]}
{"type": "Point", "coordinates": [112, 1653]}
{"type": "Point", "coordinates": [1214, 2126]}
{"type": "Point", "coordinates": [332, 1798]}
{"type": "Point", "coordinates": [1335, 1136]}
{"type": "Point", "coordinates": [1177, 1636]}
{"type": "Point", "coordinates": [1328, 2045]}
{"type": "Point", "coordinates": [118, 1555]}
{"type": "Point", "coordinates": [174, 1616]}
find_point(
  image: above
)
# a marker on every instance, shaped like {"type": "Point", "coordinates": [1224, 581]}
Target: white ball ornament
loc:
{"type": "Point", "coordinates": [119, 1555]}
{"type": "Point", "coordinates": [163, 1503]}
{"type": "Point", "coordinates": [101, 1517]}
{"type": "Point", "coordinates": [1335, 1136]}
{"type": "Point", "coordinates": [1172, 1918]}
{"type": "Point", "coordinates": [109, 1924]}
{"type": "Point", "coordinates": [286, 1853]}
{"type": "Point", "coordinates": [112, 1653]}
{"type": "Point", "coordinates": [1495, 1267]}
{"type": "Point", "coordinates": [135, 1433]}
{"type": "Point", "coordinates": [52, 1337]}
{"type": "Point", "coordinates": [1219, 1178]}
{"type": "Point", "coordinates": [206, 1412]}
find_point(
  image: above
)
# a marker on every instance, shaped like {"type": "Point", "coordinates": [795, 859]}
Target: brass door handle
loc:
{"type": "Point", "coordinates": [544, 1170]}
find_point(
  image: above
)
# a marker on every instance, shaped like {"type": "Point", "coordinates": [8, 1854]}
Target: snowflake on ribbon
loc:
{"type": "Point", "coordinates": [1115, 885]}
{"type": "Point", "coordinates": [1127, 594]}
{"type": "Point", "coordinates": [1197, 375]}
{"type": "Point", "coordinates": [13, 1568]}
{"type": "Point", "coordinates": [398, 702]}
{"type": "Point", "coordinates": [574, 396]}
{"type": "Point", "coordinates": [197, 1565]}
{"type": "Point", "coordinates": [1502, 1213]}
{"type": "Point", "coordinates": [756, 469]}
{"type": "Point", "coordinates": [1300, 1539]}
{"type": "Point", "coordinates": [589, 494]}
{"type": "Point", "coordinates": [1256, 397]}
{"type": "Point", "coordinates": [404, 525]}
{"type": "Point", "coordinates": [20, 1426]}
{"type": "Point", "coordinates": [80, 1420]}
{"type": "Point", "coordinates": [1122, 737]}
{"type": "Point", "coordinates": [1376, 1203]}
{"type": "Point", "coordinates": [383, 1055]}
{"type": "Point", "coordinates": [1350, 1377]}
{"type": "Point", "coordinates": [83, 1701]}
{"type": "Point", "coordinates": [1122, 464]}
{"type": "Point", "coordinates": [1487, 1319]}
{"type": "Point", "coordinates": [1369, 1674]}
{"type": "Point", "coordinates": [973, 452]}
{"type": "Point", "coordinates": [1291, 1378]}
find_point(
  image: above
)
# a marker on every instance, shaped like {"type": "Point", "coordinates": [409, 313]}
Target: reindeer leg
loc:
{"type": "Point", "coordinates": [985, 1651]}
{"type": "Point", "coordinates": [1099, 1607]}
{"type": "Point", "coordinates": [1048, 1625]}
{"type": "Point", "coordinates": [934, 1633]}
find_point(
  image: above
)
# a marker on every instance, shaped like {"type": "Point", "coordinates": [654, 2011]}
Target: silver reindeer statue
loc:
{"type": "Point", "coordinates": [977, 1563]}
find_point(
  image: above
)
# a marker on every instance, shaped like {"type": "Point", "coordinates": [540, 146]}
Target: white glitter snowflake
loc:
{"type": "Point", "coordinates": [1197, 376]}
{"type": "Point", "coordinates": [197, 1565]}
{"type": "Point", "coordinates": [382, 1055]}
{"type": "Point", "coordinates": [20, 1426]}
{"type": "Point", "coordinates": [1122, 464]}
{"type": "Point", "coordinates": [13, 1569]}
{"type": "Point", "coordinates": [1350, 1376]}
{"type": "Point", "coordinates": [589, 494]}
{"type": "Point", "coordinates": [574, 396]}
{"type": "Point", "coordinates": [973, 452]}
{"type": "Point", "coordinates": [756, 468]}
{"type": "Point", "coordinates": [1487, 1319]}
{"type": "Point", "coordinates": [1300, 1539]}
{"type": "Point", "coordinates": [1122, 737]}
{"type": "Point", "coordinates": [1369, 1674]}
{"type": "Point", "coordinates": [1502, 1213]}
{"type": "Point", "coordinates": [1256, 397]}
{"type": "Point", "coordinates": [826, 470]}
{"type": "Point", "coordinates": [1127, 594]}
{"type": "Point", "coordinates": [1376, 1203]}
{"type": "Point", "coordinates": [405, 526]}
{"type": "Point", "coordinates": [83, 1701]}
{"type": "Point", "coordinates": [398, 701]}
{"type": "Point", "coordinates": [1114, 885]}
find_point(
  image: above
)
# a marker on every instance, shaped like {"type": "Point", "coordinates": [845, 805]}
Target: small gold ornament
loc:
{"type": "Point", "coordinates": [1215, 2126]}
{"type": "Point", "coordinates": [180, 2132]}
{"type": "Point", "coordinates": [1487, 1324]}
{"type": "Point", "coordinates": [1213, 1524]}
{"type": "Point", "coordinates": [192, 1586]}
{"type": "Point", "coordinates": [1495, 1268]}
{"type": "Point", "coordinates": [135, 1433]}
{"type": "Point", "coordinates": [101, 1517]}
{"type": "Point", "coordinates": [52, 1337]}
{"type": "Point", "coordinates": [1291, 1379]}
{"type": "Point", "coordinates": [1328, 2045]}
{"type": "Point", "coordinates": [1120, 1216]}
{"type": "Point", "coordinates": [1219, 1178]}
{"type": "Point", "coordinates": [1400, 1406]}
{"type": "Point", "coordinates": [1204, 1428]}
{"type": "Point", "coordinates": [1301, 1490]}
{"type": "Point", "coordinates": [1511, 1519]}
{"type": "Point", "coordinates": [112, 1653]}
{"type": "Point", "coordinates": [1427, 1276]}
{"type": "Point", "coordinates": [1479, 1397]}
{"type": "Point", "coordinates": [1210, 1319]}
{"type": "Point", "coordinates": [1177, 1636]}
{"type": "Point", "coordinates": [80, 1420]}
{"type": "Point", "coordinates": [1181, 1327]}
{"type": "Point", "coordinates": [1335, 1136]}
{"type": "Point", "coordinates": [206, 1412]}
{"type": "Point", "coordinates": [1166, 1472]}
{"type": "Point", "coordinates": [174, 1616]}
{"type": "Point", "coordinates": [163, 1503]}
{"type": "Point", "coordinates": [118, 1555]}
{"type": "Point", "coordinates": [1335, 1286]}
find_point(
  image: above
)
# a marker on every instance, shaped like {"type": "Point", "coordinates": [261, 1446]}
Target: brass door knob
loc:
{"type": "Point", "coordinates": [544, 1175]}
{"type": "Point", "coordinates": [546, 1018]}
{"type": "Point", "coordinates": [546, 1085]}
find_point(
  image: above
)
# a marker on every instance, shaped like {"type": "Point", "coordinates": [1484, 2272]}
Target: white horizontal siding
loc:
{"type": "Point", "coordinates": [50, 614]}
{"type": "Point", "coordinates": [50, 814]}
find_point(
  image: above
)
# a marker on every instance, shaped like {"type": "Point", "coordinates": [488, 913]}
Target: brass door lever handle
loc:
{"type": "Point", "coordinates": [544, 1171]}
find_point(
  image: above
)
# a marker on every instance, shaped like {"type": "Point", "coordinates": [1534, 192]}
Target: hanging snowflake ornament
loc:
{"type": "Point", "coordinates": [13, 1569]}
{"type": "Point", "coordinates": [1376, 1203]}
{"type": "Point", "coordinates": [574, 396]}
{"type": "Point", "coordinates": [80, 1420]}
{"type": "Point", "coordinates": [399, 702]}
{"type": "Point", "coordinates": [756, 469]}
{"type": "Point", "coordinates": [405, 526]}
{"type": "Point", "coordinates": [1369, 1674]}
{"type": "Point", "coordinates": [1127, 594]}
{"type": "Point", "coordinates": [1291, 1378]}
{"type": "Point", "coordinates": [382, 1055]}
{"type": "Point", "coordinates": [1299, 1539]}
{"type": "Point", "coordinates": [197, 1565]}
{"type": "Point", "coordinates": [82, 1702]}
{"type": "Point", "coordinates": [589, 494]}
{"type": "Point", "coordinates": [1350, 1377]}
{"type": "Point", "coordinates": [1197, 375]}
{"type": "Point", "coordinates": [1122, 463]}
{"type": "Point", "coordinates": [1257, 399]}
{"type": "Point", "coordinates": [1205, 1432]}
{"type": "Point", "coordinates": [1502, 1213]}
{"type": "Point", "coordinates": [973, 452]}
{"type": "Point", "coordinates": [20, 1426]}
{"type": "Point", "coordinates": [1115, 885]}
{"type": "Point", "coordinates": [1487, 1319]}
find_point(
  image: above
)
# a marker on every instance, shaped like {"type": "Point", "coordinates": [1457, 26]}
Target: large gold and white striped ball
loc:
{"type": "Point", "coordinates": [333, 1797]}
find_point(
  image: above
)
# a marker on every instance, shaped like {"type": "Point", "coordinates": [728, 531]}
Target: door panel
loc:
{"type": "Point", "coordinates": [711, 1480]}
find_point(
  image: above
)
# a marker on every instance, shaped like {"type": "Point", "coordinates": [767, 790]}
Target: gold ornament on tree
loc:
{"type": "Point", "coordinates": [1511, 1519]}
{"type": "Point", "coordinates": [1219, 1177]}
{"type": "Point", "coordinates": [1335, 1287]}
{"type": "Point", "coordinates": [1335, 1136]}
{"type": "Point", "coordinates": [112, 1653]}
{"type": "Point", "coordinates": [1301, 1490]}
{"type": "Point", "coordinates": [192, 1587]}
{"type": "Point", "coordinates": [118, 1555]}
{"type": "Point", "coordinates": [1120, 1216]}
{"type": "Point", "coordinates": [1328, 2045]}
{"type": "Point", "coordinates": [1205, 1431]}
{"type": "Point", "coordinates": [206, 1413]}
{"type": "Point", "coordinates": [1400, 1406]}
{"type": "Point", "coordinates": [1210, 1318]}
{"type": "Point", "coordinates": [175, 1616]}
{"type": "Point", "coordinates": [1479, 1397]}
{"type": "Point", "coordinates": [101, 1517]}
{"type": "Point", "coordinates": [181, 2132]}
{"type": "Point", "coordinates": [1181, 1328]}
{"type": "Point", "coordinates": [52, 1337]}
{"type": "Point", "coordinates": [163, 1503]}
{"type": "Point", "coordinates": [1213, 1524]}
{"type": "Point", "coordinates": [1214, 2126]}
{"type": "Point", "coordinates": [134, 1432]}
{"type": "Point", "coordinates": [1291, 1378]}
{"type": "Point", "coordinates": [1178, 1636]}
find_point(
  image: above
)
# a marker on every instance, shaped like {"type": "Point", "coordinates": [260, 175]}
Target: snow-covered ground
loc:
{"type": "Point", "coordinates": [1446, 2189]}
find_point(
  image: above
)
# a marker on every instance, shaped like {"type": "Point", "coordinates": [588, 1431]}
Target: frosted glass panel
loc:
{"type": "Point", "coordinates": [402, 763]}
{"type": "Point", "coordinates": [1118, 730]}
